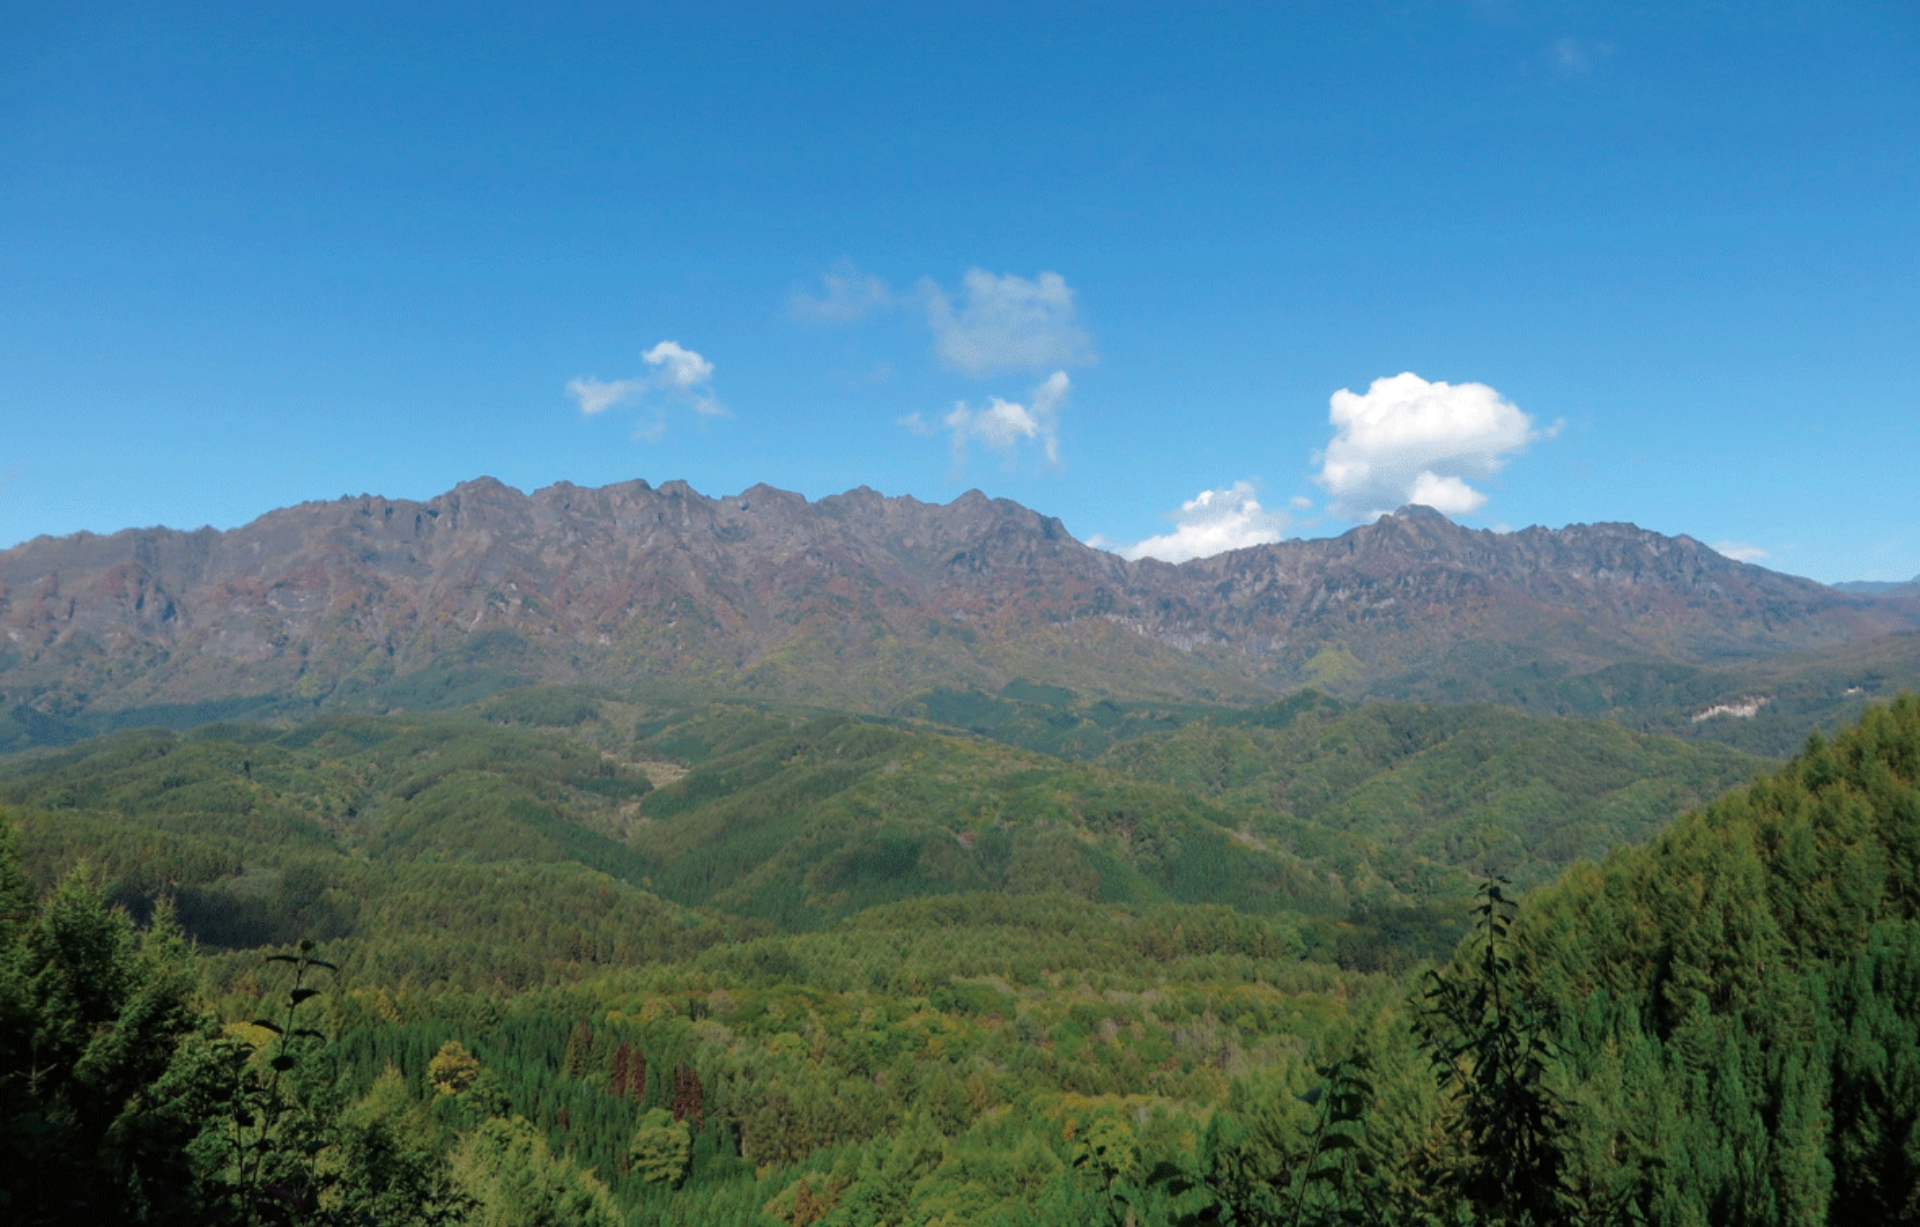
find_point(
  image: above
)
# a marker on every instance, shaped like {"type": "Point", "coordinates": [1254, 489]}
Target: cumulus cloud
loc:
{"type": "Point", "coordinates": [1211, 522]}
{"type": "Point", "coordinates": [1005, 425]}
{"type": "Point", "coordinates": [686, 373]}
{"type": "Point", "coordinates": [680, 374]}
{"type": "Point", "coordinates": [1739, 551]}
{"type": "Point", "coordinates": [1007, 323]}
{"type": "Point", "coordinates": [1406, 440]}
{"type": "Point", "coordinates": [846, 295]}
{"type": "Point", "coordinates": [1448, 494]}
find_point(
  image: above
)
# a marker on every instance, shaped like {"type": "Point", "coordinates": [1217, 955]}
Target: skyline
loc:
{"type": "Point", "coordinates": [1183, 278]}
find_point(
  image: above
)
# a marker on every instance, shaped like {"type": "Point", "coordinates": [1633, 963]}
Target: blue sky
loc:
{"type": "Point", "coordinates": [1651, 263]}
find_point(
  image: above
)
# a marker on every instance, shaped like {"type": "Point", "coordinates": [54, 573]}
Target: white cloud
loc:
{"type": "Point", "coordinates": [1212, 522]}
{"type": "Point", "coordinates": [847, 294]}
{"type": "Point", "coordinates": [595, 396]}
{"type": "Point", "coordinates": [1410, 441]}
{"type": "Point", "coordinates": [1003, 425]}
{"type": "Point", "coordinates": [680, 373]}
{"type": "Point", "coordinates": [1007, 323]}
{"type": "Point", "coordinates": [1448, 495]}
{"type": "Point", "coordinates": [1739, 551]}
{"type": "Point", "coordinates": [685, 372]}
{"type": "Point", "coordinates": [915, 424]}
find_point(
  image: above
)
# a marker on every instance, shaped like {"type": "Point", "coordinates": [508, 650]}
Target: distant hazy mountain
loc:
{"type": "Point", "coordinates": [1879, 587]}
{"type": "Point", "coordinates": [857, 599]}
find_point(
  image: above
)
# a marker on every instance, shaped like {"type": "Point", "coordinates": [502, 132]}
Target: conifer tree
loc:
{"type": "Point", "coordinates": [1487, 1039]}
{"type": "Point", "coordinates": [102, 1057]}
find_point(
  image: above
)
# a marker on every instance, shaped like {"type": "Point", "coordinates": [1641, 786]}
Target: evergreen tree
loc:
{"type": "Point", "coordinates": [102, 1046]}
{"type": "Point", "coordinates": [1487, 1038]}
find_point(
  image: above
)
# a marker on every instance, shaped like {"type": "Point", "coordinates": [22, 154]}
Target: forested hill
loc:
{"type": "Point", "coordinates": [856, 600]}
{"type": "Point", "coordinates": [672, 828]}
{"type": "Point", "coordinates": [1053, 1021]}
{"type": "Point", "coordinates": [1737, 1004]}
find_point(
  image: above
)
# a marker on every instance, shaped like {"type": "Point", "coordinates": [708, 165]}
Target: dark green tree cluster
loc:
{"type": "Point", "coordinates": [123, 1102]}
{"type": "Point", "coordinates": [1723, 1027]}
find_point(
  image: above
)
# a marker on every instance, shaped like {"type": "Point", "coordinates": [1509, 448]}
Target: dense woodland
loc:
{"type": "Point", "coordinates": [567, 956]}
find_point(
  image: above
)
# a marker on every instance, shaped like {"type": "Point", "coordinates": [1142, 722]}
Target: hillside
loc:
{"type": "Point", "coordinates": [1075, 1031]}
{"type": "Point", "coordinates": [856, 600]}
{"type": "Point", "coordinates": [1764, 706]}
{"type": "Point", "coordinates": [1755, 973]}
{"type": "Point", "coordinates": [770, 819]}
{"type": "Point", "coordinates": [1472, 787]}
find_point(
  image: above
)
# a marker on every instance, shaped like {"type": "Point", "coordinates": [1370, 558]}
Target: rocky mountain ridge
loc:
{"type": "Point", "coordinates": [858, 599]}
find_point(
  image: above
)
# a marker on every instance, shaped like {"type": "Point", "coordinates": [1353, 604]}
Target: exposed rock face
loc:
{"type": "Point", "coordinates": [858, 598]}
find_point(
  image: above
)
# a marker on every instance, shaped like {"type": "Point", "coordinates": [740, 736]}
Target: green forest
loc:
{"type": "Point", "coordinates": [567, 955]}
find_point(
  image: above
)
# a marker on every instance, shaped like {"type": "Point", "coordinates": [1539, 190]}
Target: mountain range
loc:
{"type": "Point", "coordinates": [784, 838]}
{"type": "Point", "coordinates": [863, 601]}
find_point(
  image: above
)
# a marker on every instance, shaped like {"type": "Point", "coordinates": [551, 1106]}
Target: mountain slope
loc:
{"type": "Point", "coordinates": [1736, 1005]}
{"type": "Point", "coordinates": [855, 599]}
{"type": "Point", "coordinates": [1469, 786]}
{"type": "Point", "coordinates": [1348, 820]}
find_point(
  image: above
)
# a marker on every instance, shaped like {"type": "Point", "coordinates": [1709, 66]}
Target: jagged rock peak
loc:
{"type": "Point", "coordinates": [857, 594]}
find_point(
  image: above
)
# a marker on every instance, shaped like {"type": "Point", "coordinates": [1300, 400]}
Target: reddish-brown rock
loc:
{"type": "Point", "coordinates": [856, 598]}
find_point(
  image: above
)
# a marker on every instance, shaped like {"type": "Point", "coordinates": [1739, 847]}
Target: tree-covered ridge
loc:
{"type": "Point", "coordinates": [1781, 697]}
{"type": "Point", "coordinates": [1784, 695]}
{"type": "Point", "coordinates": [1366, 823]}
{"type": "Point", "coordinates": [1472, 787]}
{"type": "Point", "coordinates": [1436, 780]}
{"type": "Point", "coordinates": [837, 815]}
{"type": "Point", "coordinates": [483, 854]}
{"type": "Point", "coordinates": [1739, 1002]}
